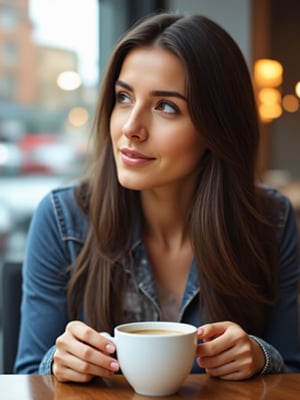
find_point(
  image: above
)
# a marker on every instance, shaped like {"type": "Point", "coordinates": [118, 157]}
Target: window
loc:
{"type": "Point", "coordinates": [9, 53]}
{"type": "Point", "coordinates": [8, 19]}
{"type": "Point", "coordinates": [8, 86]}
{"type": "Point", "coordinates": [48, 90]}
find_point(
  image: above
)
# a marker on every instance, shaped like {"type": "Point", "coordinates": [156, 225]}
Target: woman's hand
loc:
{"type": "Point", "coordinates": [82, 353]}
{"type": "Point", "coordinates": [227, 352]}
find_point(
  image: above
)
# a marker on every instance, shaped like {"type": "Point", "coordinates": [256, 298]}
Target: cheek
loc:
{"type": "Point", "coordinates": [187, 146]}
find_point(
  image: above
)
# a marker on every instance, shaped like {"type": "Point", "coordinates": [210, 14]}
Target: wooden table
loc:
{"type": "Point", "coordinates": [37, 387]}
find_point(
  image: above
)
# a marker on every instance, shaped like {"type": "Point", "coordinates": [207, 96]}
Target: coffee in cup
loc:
{"type": "Point", "coordinates": [155, 357]}
{"type": "Point", "coordinates": [156, 332]}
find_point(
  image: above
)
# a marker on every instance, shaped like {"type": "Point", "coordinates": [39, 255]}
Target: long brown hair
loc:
{"type": "Point", "coordinates": [233, 241]}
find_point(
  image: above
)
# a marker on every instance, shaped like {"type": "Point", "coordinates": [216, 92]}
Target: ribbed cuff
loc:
{"type": "Point", "coordinates": [273, 360]}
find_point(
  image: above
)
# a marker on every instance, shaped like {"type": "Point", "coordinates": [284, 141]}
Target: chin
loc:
{"type": "Point", "coordinates": [132, 184]}
{"type": "Point", "coordinates": [135, 181]}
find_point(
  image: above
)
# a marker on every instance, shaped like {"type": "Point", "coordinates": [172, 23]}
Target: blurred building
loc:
{"type": "Point", "coordinates": [29, 93]}
{"type": "Point", "coordinates": [18, 75]}
{"type": "Point", "coordinates": [51, 62]}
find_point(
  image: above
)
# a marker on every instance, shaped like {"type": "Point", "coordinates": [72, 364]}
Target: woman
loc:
{"type": "Point", "coordinates": [169, 223]}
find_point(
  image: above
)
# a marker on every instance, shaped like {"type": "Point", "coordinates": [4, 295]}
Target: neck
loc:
{"type": "Point", "coordinates": [164, 217]}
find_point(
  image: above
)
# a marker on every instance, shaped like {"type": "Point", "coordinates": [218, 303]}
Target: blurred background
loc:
{"type": "Point", "coordinates": [52, 57]}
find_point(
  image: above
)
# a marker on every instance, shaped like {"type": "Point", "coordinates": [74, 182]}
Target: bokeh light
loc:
{"type": "Point", "coordinates": [68, 80]}
{"type": "Point", "coordinates": [78, 117]}
{"type": "Point", "coordinates": [290, 103]}
{"type": "Point", "coordinates": [268, 72]}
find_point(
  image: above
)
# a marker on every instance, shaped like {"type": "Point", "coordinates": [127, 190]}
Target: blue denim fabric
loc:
{"type": "Point", "coordinates": [57, 233]}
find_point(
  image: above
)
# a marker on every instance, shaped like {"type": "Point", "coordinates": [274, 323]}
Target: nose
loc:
{"type": "Point", "coordinates": [135, 126]}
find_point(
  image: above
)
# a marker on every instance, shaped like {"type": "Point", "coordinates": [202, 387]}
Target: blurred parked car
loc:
{"type": "Point", "coordinates": [50, 155]}
{"type": "Point", "coordinates": [36, 164]}
{"type": "Point", "coordinates": [29, 169]}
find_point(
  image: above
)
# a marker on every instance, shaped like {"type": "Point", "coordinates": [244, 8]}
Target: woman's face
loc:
{"type": "Point", "coordinates": [155, 143]}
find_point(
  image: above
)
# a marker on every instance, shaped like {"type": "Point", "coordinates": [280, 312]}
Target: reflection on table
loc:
{"type": "Point", "coordinates": [38, 387]}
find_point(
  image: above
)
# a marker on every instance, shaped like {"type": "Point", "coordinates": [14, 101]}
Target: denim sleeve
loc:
{"type": "Point", "coordinates": [283, 329]}
{"type": "Point", "coordinates": [274, 363]}
{"type": "Point", "coordinates": [44, 303]}
{"type": "Point", "coordinates": [45, 367]}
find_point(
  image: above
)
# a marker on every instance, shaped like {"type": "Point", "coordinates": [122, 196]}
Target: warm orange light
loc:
{"type": "Point", "coordinates": [269, 104]}
{"type": "Point", "coordinates": [267, 73]}
{"type": "Point", "coordinates": [297, 89]}
{"type": "Point", "coordinates": [269, 96]}
{"type": "Point", "coordinates": [268, 112]}
{"type": "Point", "coordinates": [290, 103]}
{"type": "Point", "coordinates": [78, 116]}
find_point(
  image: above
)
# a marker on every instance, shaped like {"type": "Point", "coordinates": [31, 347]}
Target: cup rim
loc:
{"type": "Point", "coordinates": [127, 328]}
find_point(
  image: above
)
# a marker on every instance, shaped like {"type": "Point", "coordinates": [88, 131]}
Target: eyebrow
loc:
{"type": "Point", "coordinates": [162, 93]}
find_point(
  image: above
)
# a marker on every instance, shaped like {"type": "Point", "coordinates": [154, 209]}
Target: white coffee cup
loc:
{"type": "Point", "coordinates": [155, 357]}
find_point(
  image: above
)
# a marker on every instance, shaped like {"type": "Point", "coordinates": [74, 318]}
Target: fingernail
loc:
{"type": "Point", "coordinates": [110, 348]}
{"type": "Point", "coordinates": [200, 331]}
{"type": "Point", "coordinates": [114, 365]}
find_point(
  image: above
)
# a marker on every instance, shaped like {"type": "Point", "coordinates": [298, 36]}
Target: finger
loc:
{"type": "Point", "coordinates": [214, 347]}
{"type": "Point", "coordinates": [216, 360]}
{"type": "Point", "coordinates": [230, 374]}
{"type": "Point", "coordinates": [212, 330]}
{"type": "Point", "coordinates": [221, 337]}
{"type": "Point", "coordinates": [87, 335]}
{"type": "Point", "coordinates": [85, 353]}
{"type": "Point", "coordinates": [64, 363]}
{"type": "Point", "coordinates": [65, 374]}
{"type": "Point", "coordinates": [225, 365]}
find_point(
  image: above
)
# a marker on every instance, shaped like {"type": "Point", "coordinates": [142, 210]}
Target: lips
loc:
{"type": "Point", "coordinates": [134, 154]}
{"type": "Point", "coordinates": [133, 158]}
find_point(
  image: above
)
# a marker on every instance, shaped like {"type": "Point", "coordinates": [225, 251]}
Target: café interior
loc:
{"type": "Point", "coordinates": [267, 32]}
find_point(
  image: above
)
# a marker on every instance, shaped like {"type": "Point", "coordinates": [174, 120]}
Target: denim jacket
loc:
{"type": "Point", "coordinates": [56, 236]}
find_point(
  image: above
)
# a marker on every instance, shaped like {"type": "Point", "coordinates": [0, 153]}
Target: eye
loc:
{"type": "Point", "coordinates": [167, 107]}
{"type": "Point", "coordinates": [122, 98]}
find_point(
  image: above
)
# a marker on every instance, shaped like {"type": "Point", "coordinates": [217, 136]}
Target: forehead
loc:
{"type": "Point", "coordinates": [153, 66]}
